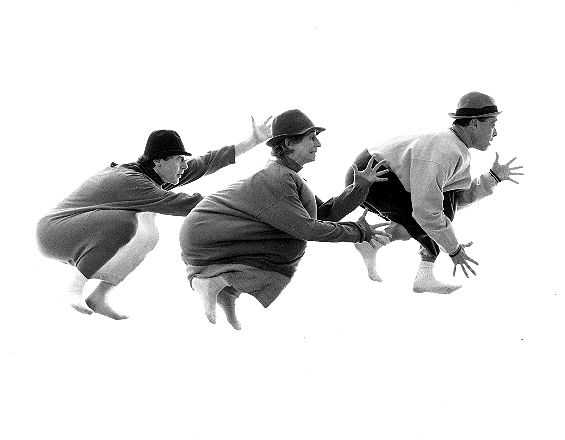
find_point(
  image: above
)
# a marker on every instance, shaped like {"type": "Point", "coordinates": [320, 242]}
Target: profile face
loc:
{"type": "Point", "coordinates": [171, 169]}
{"type": "Point", "coordinates": [484, 133]}
{"type": "Point", "coordinates": [305, 150]}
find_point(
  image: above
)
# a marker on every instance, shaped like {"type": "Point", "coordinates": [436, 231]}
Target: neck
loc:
{"type": "Point", "coordinates": [290, 163]}
{"type": "Point", "coordinates": [463, 135]}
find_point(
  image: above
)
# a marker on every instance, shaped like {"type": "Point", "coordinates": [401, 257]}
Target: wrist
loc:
{"type": "Point", "coordinates": [495, 176]}
{"type": "Point", "coordinates": [454, 254]}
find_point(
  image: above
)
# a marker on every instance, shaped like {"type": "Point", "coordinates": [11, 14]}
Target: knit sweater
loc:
{"type": "Point", "coordinates": [264, 221]}
{"type": "Point", "coordinates": [136, 187]}
{"type": "Point", "coordinates": [429, 165]}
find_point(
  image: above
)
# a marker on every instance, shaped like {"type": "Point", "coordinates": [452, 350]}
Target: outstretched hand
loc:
{"type": "Point", "coordinates": [261, 132]}
{"type": "Point", "coordinates": [378, 236]}
{"type": "Point", "coordinates": [369, 173]}
{"type": "Point", "coordinates": [461, 258]}
{"type": "Point", "coordinates": [505, 171]}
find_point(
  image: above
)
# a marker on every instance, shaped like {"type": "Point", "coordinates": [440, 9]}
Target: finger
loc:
{"type": "Point", "coordinates": [464, 271]}
{"type": "Point", "coordinates": [516, 174]}
{"type": "Point", "coordinates": [267, 120]}
{"type": "Point", "coordinates": [515, 168]}
{"type": "Point", "coordinates": [382, 233]}
{"type": "Point", "coordinates": [496, 158]}
{"type": "Point", "coordinates": [381, 179]}
{"type": "Point", "coordinates": [355, 169]}
{"type": "Point", "coordinates": [511, 161]}
{"type": "Point", "coordinates": [380, 173]}
{"type": "Point", "coordinates": [253, 121]}
{"type": "Point", "coordinates": [364, 214]}
{"type": "Point", "coordinates": [372, 161]}
{"type": "Point", "coordinates": [467, 245]}
{"type": "Point", "coordinates": [454, 269]}
{"type": "Point", "coordinates": [378, 225]}
{"type": "Point", "coordinates": [471, 269]}
{"type": "Point", "coordinates": [512, 180]}
{"type": "Point", "coordinates": [472, 261]}
{"type": "Point", "coordinates": [381, 163]}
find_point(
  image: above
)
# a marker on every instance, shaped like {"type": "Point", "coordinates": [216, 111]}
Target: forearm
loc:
{"type": "Point", "coordinates": [480, 188]}
{"type": "Point", "coordinates": [245, 146]}
{"type": "Point", "coordinates": [338, 207]}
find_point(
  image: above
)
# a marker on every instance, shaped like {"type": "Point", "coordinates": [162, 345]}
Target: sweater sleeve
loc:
{"type": "Point", "coordinates": [289, 215]}
{"type": "Point", "coordinates": [142, 195]}
{"type": "Point", "coordinates": [427, 180]}
{"type": "Point", "coordinates": [206, 164]}
{"type": "Point", "coordinates": [480, 188]}
{"type": "Point", "coordinates": [338, 207]}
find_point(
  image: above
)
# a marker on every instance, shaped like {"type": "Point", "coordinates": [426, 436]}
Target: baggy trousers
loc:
{"type": "Point", "coordinates": [102, 244]}
{"type": "Point", "coordinates": [392, 202]}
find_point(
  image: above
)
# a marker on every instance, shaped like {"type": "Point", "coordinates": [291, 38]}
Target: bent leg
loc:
{"type": "Point", "coordinates": [129, 256]}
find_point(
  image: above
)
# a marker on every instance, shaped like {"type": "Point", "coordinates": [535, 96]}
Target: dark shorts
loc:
{"type": "Point", "coordinates": [392, 202]}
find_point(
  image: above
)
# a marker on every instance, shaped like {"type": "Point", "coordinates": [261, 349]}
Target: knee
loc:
{"type": "Point", "coordinates": [398, 232]}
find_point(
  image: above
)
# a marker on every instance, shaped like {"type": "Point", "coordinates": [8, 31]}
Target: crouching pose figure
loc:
{"type": "Point", "coordinates": [429, 180]}
{"type": "Point", "coordinates": [106, 227]}
{"type": "Point", "coordinates": [251, 236]}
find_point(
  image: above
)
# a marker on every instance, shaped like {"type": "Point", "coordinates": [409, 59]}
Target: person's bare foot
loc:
{"type": "Point", "coordinates": [77, 303]}
{"type": "Point", "coordinates": [102, 308]}
{"type": "Point", "coordinates": [98, 301]}
{"type": "Point", "coordinates": [226, 301]}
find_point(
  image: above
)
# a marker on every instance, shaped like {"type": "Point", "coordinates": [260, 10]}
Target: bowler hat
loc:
{"type": "Point", "coordinates": [164, 143]}
{"type": "Point", "coordinates": [291, 123]}
{"type": "Point", "coordinates": [475, 105]}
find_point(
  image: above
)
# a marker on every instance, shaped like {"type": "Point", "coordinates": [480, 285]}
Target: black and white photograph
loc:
{"type": "Point", "coordinates": [282, 220]}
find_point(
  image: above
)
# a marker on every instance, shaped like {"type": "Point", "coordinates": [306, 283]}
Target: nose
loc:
{"type": "Point", "coordinates": [494, 132]}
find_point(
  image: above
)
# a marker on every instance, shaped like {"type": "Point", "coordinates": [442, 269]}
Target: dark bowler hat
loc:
{"type": "Point", "coordinates": [475, 105]}
{"type": "Point", "coordinates": [163, 143]}
{"type": "Point", "coordinates": [291, 123]}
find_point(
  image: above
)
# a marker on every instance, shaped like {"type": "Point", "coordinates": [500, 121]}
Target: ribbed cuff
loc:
{"type": "Point", "coordinates": [493, 174]}
{"type": "Point", "coordinates": [456, 252]}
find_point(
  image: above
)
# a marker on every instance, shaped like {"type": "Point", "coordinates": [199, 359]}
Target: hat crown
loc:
{"type": "Point", "coordinates": [162, 143]}
{"type": "Point", "coordinates": [291, 122]}
{"type": "Point", "coordinates": [475, 100]}
{"type": "Point", "coordinates": [475, 105]}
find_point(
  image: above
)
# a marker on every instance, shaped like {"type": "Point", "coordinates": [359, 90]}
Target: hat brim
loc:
{"type": "Point", "coordinates": [486, 115]}
{"type": "Point", "coordinates": [162, 154]}
{"type": "Point", "coordinates": [271, 142]}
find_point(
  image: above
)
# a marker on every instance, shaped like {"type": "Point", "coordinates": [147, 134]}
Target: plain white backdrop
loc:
{"type": "Point", "coordinates": [337, 355]}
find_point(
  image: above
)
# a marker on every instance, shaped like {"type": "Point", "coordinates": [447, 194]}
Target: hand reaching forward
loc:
{"type": "Point", "coordinates": [503, 172]}
{"type": "Point", "coordinates": [377, 236]}
{"type": "Point", "coordinates": [261, 132]}
{"type": "Point", "coordinates": [461, 258]}
{"type": "Point", "coordinates": [369, 173]}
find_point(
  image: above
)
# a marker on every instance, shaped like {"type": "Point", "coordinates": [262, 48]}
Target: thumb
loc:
{"type": "Point", "coordinates": [496, 157]}
{"type": "Point", "coordinates": [354, 168]}
{"type": "Point", "coordinates": [364, 214]}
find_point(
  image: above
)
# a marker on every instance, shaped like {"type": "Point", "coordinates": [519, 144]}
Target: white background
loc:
{"type": "Point", "coordinates": [336, 356]}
